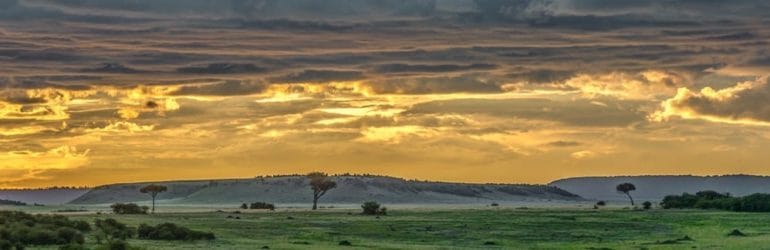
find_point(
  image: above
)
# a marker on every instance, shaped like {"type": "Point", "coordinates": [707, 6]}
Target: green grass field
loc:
{"type": "Point", "coordinates": [481, 228]}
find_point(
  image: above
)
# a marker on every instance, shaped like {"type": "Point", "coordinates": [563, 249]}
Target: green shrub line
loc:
{"type": "Point", "coordinates": [714, 200]}
{"type": "Point", "coordinates": [19, 229]}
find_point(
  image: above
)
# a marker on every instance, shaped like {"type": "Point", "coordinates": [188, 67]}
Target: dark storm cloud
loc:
{"type": "Point", "coordinates": [38, 82]}
{"type": "Point", "coordinates": [711, 9]}
{"type": "Point", "coordinates": [435, 68]}
{"type": "Point", "coordinates": [763, 59]}
{"type": "Point", "coordinates": [227, 88]}
{"type": "Point", "coordinates": [115, 68]}
{"type": "Point", "coordinates": [319, 76]}
{"type": "Point", "coordinates": [415, 41]}
{"type": "Point", "coordinates": [574, 113]}
{"type": "Point", "coordinates": [311, 9]}
{"type": "Point", "coordinates": [541, 76]}
{"type": "Point", "coordinates": [439, 85]}
{"type": "Point", "coordinates": [223, 68]}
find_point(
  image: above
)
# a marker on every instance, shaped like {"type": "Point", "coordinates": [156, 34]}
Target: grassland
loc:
{"type": "Point", "coordinates": [480, 228]}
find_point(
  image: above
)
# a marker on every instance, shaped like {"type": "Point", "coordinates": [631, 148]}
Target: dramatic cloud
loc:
{"type": "Point", "coordinates": [100, 91]}
{"type": "Point", "coordinates": [744, 103]}
{"type": "Point", "coordinates": [20, 166]}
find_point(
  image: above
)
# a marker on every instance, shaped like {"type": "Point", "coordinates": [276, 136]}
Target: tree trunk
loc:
{"type": "Point", "coordinates": [632, 199]}
{"type": "Point", "coordinates": [153, 203]}
{"type": "Point", "coordinates": [315, 203]}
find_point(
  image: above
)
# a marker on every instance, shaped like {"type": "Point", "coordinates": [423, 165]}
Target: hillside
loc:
{"type": "Point", "coordinates": [48, 196]}
{"type": "Point", "coordinates": [654, 188]}
{"type": "Point", "coordinates": [350, 189]}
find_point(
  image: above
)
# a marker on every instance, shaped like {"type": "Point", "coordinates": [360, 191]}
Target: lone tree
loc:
{"type": "Point", "coordinates": [320, 183]}
{"type": "Point", "coordinates": [626, 188]}
{"type": "Point", "coordinates": [153, 190]}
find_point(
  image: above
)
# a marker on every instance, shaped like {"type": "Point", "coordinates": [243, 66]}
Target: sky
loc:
{"type": "Point", "coordinates": [515, 91]}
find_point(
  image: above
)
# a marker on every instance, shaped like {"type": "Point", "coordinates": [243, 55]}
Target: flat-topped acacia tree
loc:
{"type": "Point", "coordinates": [626, 188]}
{"type": "Point", "coordinates": [320, 183]}
{"type": "Point", "coordinates": [153, 190]}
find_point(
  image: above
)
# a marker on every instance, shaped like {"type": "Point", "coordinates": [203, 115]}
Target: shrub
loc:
{"type": "Point", "coordinates": [647, 205]}
{"type": "Point", "coordinates": [170, 231]}
{"type": "Point", "coordinates": [42, 237]}
{"type": "Point", "coordinates": [72, 247]}
{"type": "Point", "coordinates": [128, 208]}
{"type": "Point", "coordinates": [736, 232]}
{"type": "Point", "coordinates": [19, 229]}
{"type": "Point", "coordinates": [111, 230]}
{"type": "Point", "coordinates": [69, 235]}
{"type": "Point", "coordinates": [6, 245]}
{"type": "Point", "coordinates": [244, 206]}
{"type": "Point", "coordinates": [82, 226]}
{"type": "Point", "coordinates": [373, 208]}
{"type": "Point", "coordinates": [262, 205]}
{"type": "Point", "coordinates": [676, 201]}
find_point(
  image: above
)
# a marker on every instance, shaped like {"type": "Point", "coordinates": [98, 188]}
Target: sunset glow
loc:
{"type": "Point", "coordinates": [93, 94]}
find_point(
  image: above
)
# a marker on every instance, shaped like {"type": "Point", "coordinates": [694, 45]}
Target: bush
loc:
{"type": "Point", "coordinates": [262, 205]}
{"type": "Point", "coordinates": [69, 235]}
{"type": "Point", "coordinates": [647, 205]}
{"type": "Point", "coordinates": [679, 201]}
{"type": "Point", "coordinates": [6, 245]}
{"type": "Point", "coordinates": [170, 231]}
{"type": "Point", "coordinates": [72, 247]}
{"type": "Point", "coordinates": [373, 208]}
{"type": "Point", "coordinates": [736, 232]}
{"type": "Point", "coordinates": [19, 229]}
{"type": "Point", "coordinates": [244, 206]}
{"type": "Point", "coordinates": [128, 208]}
{"type": "Point", "coordinates": [111, 230]}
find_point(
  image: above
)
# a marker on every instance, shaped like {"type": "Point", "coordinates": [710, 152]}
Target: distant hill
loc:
{"type": "Point", "coordinates": [654, 188]}
{"type": "Point", "coordinates": [48, 196]}
{"type": "Point", "coordinates": [350, 189]}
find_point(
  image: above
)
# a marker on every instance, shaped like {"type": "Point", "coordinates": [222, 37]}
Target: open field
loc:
{"type": "Point", "coordinates": [445, 228]}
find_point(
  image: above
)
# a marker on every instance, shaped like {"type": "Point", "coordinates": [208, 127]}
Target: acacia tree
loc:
{"type": "Point", "coordinates": [153, 190]}
{"type": "Point", "coordinates": [320, 183]}
{"type": "Point", "coordinates": [626, 188]}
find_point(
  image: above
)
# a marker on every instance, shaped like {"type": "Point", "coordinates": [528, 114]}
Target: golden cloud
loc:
{"type": "Point", "coordinates": [635, 86]}
{"type": "Point", "coordinates": [63, 157]}
{"type": "Point", "coordinates": [746, 103]}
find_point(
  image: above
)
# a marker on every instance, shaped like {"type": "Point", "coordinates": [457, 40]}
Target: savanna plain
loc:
{"type": "Point", "coordinates": [445, 227]}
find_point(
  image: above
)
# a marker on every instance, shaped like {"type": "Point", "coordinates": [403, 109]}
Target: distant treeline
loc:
{"type": "Point", "coordinates": [12, 203]}
{"type": "Point", "coordinates": [47, 188]}
{"type": "Point", "coordinates": [388, 177]}
{"type": "Point", "coordinates": [715, 200]}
